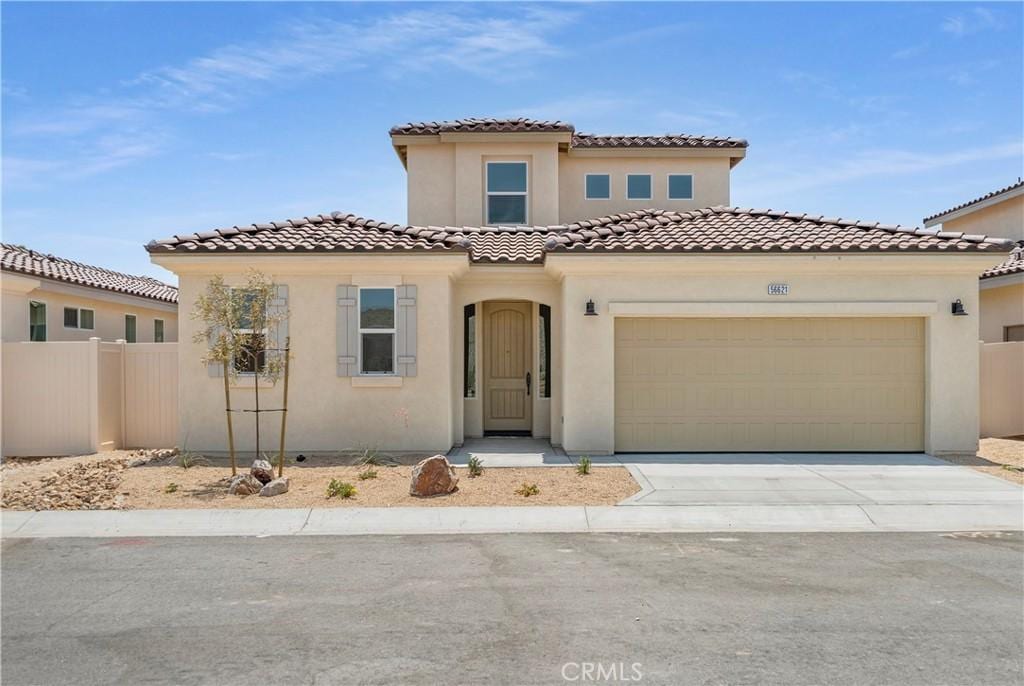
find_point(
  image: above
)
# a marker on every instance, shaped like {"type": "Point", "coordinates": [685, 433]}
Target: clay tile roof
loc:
{"type": "Point", "coordinates": [1013, 264]}
{"type": "Point", "coordinates": [480, 125]}
{"type": "Point", "coordinates": [19, 259]}
{"type": "Point", "coordinates": [987, 196]}
{"type": "Point", "coordinates": [669, 140]}
{"type": "Point", "coordinates": [704, 231]}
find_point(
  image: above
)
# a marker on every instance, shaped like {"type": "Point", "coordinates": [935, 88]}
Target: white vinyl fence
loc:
{"type": "Point", "coordinates": [1002, 389]}
{"type": "Point", "coordinates": [73, 398]}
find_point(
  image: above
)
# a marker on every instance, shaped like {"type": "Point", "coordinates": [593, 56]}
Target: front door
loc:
{"type": "Point", "coordinates": [507, 362]}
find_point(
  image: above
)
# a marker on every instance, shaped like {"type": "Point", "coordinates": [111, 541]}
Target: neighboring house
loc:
{"type": "Point", "coordinates": [1000, 213]}
{"type": "Point", "coordinates": [47, 298]}
{"type": "Point", "coordinates": [503, 308]}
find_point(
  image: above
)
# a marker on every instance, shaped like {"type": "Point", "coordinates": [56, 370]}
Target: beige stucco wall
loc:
{"type": "Point", "coordinates": [710, 184]}
{"type": "Point", "coordinates": [858, 286]}
{"type": "Point", "coordinates": [1004, 219]}
{"type": "Point", "coordinates": [109, 308]}
{"type": "Point", "coordinates": [1002, 305]}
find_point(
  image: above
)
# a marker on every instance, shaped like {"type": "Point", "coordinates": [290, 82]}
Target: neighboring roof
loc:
{"type": "Point", "coordinates": [578, 140]}
{"type": "Point", "coordinates": [480, 125]}
{"type": "Point", "coordinates": [669, 140]}
{"type": "Point", "coordinates": [1013, 264]}
{"type": "Point", "coordinates": [17, 258]}
{"type": "Point", "coordinates": [715, 230]}
{"type": "Point", "coordinates": [983, 199]}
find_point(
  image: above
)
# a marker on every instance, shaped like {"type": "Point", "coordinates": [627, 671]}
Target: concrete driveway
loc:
{"type": "Point", "coordinates": [811, 479]}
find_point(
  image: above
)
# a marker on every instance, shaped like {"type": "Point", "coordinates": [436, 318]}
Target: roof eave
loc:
{"type": "Point", "coordinates": [975, 206]}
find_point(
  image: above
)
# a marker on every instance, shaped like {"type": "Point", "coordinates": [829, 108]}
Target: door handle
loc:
{"type": "Point", "coordinates": [527, 383]}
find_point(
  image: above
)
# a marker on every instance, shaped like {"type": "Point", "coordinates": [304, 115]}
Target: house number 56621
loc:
{"type": "Point", "coordinates": [778, 289]}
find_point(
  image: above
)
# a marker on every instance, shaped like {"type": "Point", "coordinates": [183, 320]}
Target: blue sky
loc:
{"type": "Point", "coordinates": [127, 122]}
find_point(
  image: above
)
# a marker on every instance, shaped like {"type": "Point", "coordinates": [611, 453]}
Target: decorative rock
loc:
{"type": "Point", "coordinates": [244, 484]}
{"type": "Point", "coordinates": [433, 476]}
{"type": "Point", "coordinates": [275, 487]}
{"type": "Point", "coordinates": [263, 471]}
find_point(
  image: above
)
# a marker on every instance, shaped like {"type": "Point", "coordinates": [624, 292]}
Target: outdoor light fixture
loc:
{"type": "Point", "coordinates": [590, 312]}
{"type": "Point", "coordinates": [958, 308]}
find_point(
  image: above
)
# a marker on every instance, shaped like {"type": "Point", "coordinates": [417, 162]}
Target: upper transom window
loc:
{"type": "Point", "coordinates": [507, 189]}
{"type": "Point", "coordinates": [680, 186]}
{"type": "Point", "coordinates": [638, 186]}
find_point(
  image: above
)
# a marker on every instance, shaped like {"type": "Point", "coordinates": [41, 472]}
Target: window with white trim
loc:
{"type": "Point", "coordinates": [376, 330]}
{"type": "Point", "coordinates": [252, 357]}
{"type": "Point", "coordinates": [130, 328]}
{"type": "Point", "coordinates": [158, 330]}
{"type": "Point", "coordinates": [37, 321]}
{"type": "Point", "coordinates": [507, 191]}
{"type": "Point", "coordinates": [597, 186]}
{"type": "Point", "coordinates": [638, 186]}
{"type": "Point", "coordinates": [79, 318]}
{"type": "Point", "coordinates": [680, 186]}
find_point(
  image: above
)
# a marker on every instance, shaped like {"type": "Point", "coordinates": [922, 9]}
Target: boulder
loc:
{"type": "Point", "coordinates": [433, 476]}
{"type": "Point", "coordinates": [275, 487]}
{"type": "Point", "coordinates": [263, 471]}
{"type": "Point", "coordinates": [244, 484]}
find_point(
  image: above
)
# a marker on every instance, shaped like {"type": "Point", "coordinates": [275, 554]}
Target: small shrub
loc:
{"type": "Point", "coordinates": [583, 466]}
{"type": "Point", "coordinates": [373, 457]}
{"type": "Point", "coordinates": [171, 488]}
{"type": "Point", "coordinates": [368, 474]}
{"type": "Point", "coordinates": [187, 460]}
{"type": "Point", "coordinates": [340, 489]}
{"type": "Point", "coordinates": [526, 490]}
{"type": "Point", "coordinates": [475, 467]}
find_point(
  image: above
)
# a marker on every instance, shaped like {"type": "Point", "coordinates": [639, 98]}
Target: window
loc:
{"type": "Point", "coordinates": [638, 186]}
{"type": "Point", "coordinates": [1013, 333]}
{"type": "Point", "coordinates": [377, 330]}
{"type": "Point", "coordinates": [36, 321]}
{"type": "Point", "coordinates": [76, 318]}
{"type": "Point", "coordinates": [158, 330]}
{"type": "Point", "coordinates": [130, 321]}
{"type": "Point", "coordinates": [253, 341]}
{"type": "Point", "coordinates": [544, 351]}
{"type": "Point", "coordinates": [469, 351]}
{"type": "Point", "coordinates": [506, 192]}
{"type": "Point", "coordinates": [598, 186]}
{"type": "Point", "coordinates": [680, 186]}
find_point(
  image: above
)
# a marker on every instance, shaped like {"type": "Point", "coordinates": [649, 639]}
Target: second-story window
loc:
{"type": "Point", "coordinates": [598, 186]}
{"type": "Point", "coordinates": [506, 193]}
{"type": "Point", "coordinates": [638, 186]}
{"type": "Point", "coordinates": [680, 186]}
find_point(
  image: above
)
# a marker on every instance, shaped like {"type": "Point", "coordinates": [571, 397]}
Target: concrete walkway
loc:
{"type": "Point", "coordinates": [511, 451]}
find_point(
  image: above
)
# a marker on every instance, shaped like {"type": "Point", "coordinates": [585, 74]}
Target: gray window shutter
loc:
{"type": "Point", "coordinates": [347, 333]}
{"type": "Point", "coordinates": [405, 326]}
{"type": "Point", "coordinates": [215, 369]}
{"type": "Point", "coordinates": [279, 308]}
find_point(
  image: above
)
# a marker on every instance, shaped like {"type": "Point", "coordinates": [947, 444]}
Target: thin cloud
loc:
{"type": "Point", "coordinates": [977, 20]}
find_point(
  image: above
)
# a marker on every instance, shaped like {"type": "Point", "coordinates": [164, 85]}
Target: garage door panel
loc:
{"type": "Point", "coordinates": [769, 384]}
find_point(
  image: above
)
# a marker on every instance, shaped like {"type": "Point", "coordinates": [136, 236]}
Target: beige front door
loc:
{"type": "Point", "coordinates": [801, 384]}
{"type": "Point", "coordinates": [507, 362]}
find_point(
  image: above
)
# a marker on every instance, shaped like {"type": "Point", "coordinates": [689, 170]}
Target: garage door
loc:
{"type": "Point", "coordinates": [778, 384]}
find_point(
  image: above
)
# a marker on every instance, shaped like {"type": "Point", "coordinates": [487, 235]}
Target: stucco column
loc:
{"type": "Point", "coordinates": [588, 391]}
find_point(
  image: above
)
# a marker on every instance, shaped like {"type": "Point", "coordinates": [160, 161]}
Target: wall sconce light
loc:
{"type": "Point", "coordinates": [590, 311]}
{"type": "Point", "coordinates": [958, 308]}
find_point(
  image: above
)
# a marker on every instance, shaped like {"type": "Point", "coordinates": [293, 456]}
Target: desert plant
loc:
{"type": "Point", "coordinates": [583, 466]}
{"type": "Point", "coordinates": [526, 490]}
{"type": "Point", "coordinates": [367, 474]}
{"type": "Point", "coordinates": [187, 460]}
{"type": "Point", "coordinates": [233, 321]}
{"type": "Point", "coordinates": [340, 489]}
{"type": "Point", "coordinates": [171, 487]}
{"type": "Point", "coordinates": [368, 457]}
{"type": "Point", "coordinates": [476, 468]}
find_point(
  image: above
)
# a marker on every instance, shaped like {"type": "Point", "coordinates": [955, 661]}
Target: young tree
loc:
{"type": "Point", "coordinates": [240, 331]}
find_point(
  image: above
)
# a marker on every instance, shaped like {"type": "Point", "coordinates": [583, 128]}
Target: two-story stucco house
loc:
{"type": "Point", "coordinates": [48, 298]}
{"type": "Point", "coordinates": [536, 291]}
{"type": "Point", "coordinates": [999, 213]}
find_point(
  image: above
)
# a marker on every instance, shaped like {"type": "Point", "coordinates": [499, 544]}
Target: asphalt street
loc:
{"type": "Point", "coordinates": [516, 609]}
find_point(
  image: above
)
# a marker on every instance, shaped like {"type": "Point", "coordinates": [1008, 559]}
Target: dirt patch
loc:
{"type": "Point", "coordinates": [205, 487]}
{"type": "Point", "coordinates": [1002, 457]}
{"type": "Point", "coordinates": [84, 485]}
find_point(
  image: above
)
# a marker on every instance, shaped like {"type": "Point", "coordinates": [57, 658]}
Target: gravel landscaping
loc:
{"type": "Point", "coordinates": [1002, 457]}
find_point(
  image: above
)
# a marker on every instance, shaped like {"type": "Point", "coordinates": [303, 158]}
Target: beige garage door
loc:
{"type": "Point", "coordinates": [794, 384]}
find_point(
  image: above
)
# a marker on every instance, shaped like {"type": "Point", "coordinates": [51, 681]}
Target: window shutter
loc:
{"type": "Point", "coordinates": [215, 369]}
{"type": "Point", "coordinates": [405, 326]}
{"type": "Point", "coordinates": [347, 333]}
{"type": "Point", "coordinates": [279, 308]}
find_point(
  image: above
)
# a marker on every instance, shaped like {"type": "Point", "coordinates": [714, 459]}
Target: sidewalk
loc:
{"type": "Point", "coordinates": [480, 520]}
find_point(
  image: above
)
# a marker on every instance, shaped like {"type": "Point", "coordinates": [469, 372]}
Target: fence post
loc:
{"type": "Point", "coordinates": [123, 352]}
{"type": "Point", "coordinates": [94, 394]}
